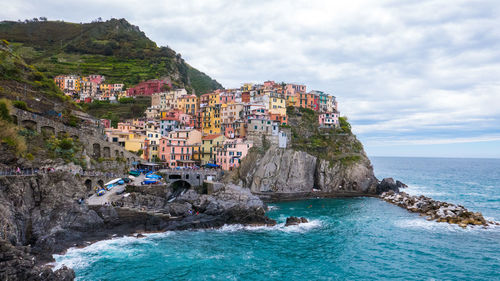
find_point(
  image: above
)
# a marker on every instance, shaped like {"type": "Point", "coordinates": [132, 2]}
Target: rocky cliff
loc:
{"type": "Point", "coordinates": [317, 163]}
{"type": "Point", "coordinates": [292, 172]}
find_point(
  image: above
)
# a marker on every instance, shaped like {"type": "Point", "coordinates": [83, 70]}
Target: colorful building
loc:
{"type": "Point", "coordinates": [230, 154]}
{"type": "Point", "coordinates": [208, 147]}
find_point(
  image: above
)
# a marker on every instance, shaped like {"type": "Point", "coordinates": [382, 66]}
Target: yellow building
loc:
{"type": "Point", "coordinates": [277, 105]}
{"type": "Point", "coordinates": [206, 121]}
{"type": "Point", "coordinates": [188, 104]}
{"type": "Point", "coordinates": [208, 147]}
{"type": "Point", "coordinates": [134, 142]}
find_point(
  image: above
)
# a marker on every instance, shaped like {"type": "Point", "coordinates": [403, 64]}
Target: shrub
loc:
{"type": "Point", "coordinates": [20, 104]}
{"type": "Point", "coordinates": [5, 110]}
{"type": "Point", "coordinates": [9, 135]}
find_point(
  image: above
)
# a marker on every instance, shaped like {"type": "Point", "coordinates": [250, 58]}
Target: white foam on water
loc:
{"type": "Point", "coordinates": [272, 208]}
{"type": "Point", "coordinates": [422, 190]}
{"type": "Point", "coordinates": [303, 227]}
{"type": "Point", "coordinates": [422, 223]}
{"type": "Point", "coordinates": [78, 257]}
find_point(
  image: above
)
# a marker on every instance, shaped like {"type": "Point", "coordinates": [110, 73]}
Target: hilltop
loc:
{"type": "Point", "coordinates": [114, 48]}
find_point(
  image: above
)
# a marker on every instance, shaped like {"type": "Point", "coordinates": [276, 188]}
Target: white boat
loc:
{"type": "Point", "coordinates": [112, 182]}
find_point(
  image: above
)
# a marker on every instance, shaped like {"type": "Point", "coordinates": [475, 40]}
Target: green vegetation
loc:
{"type": "Point", "coordinates": [20, 104]}
{"type": "Point", "coordinates": [65, 148]}
{"type": "Point", "coordinates": [201, 82]}
{"type": "Point", "coordinates": [328, 144]}
{"type": "Point", "coordinates": [29, 88]}
{"type": "Point", "coordinates": [114, 48]}
{"type": "Point", "coordinates": [118, 111]}
{"type": "Point", "coordinates": [9, 132]}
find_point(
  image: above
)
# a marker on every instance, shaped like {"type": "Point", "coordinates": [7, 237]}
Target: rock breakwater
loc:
{"type": "Point", "coordinates": [436, 210]}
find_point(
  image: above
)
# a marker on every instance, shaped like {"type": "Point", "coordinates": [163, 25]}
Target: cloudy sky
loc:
{"type": "Point", "coordinates": [415, 78]}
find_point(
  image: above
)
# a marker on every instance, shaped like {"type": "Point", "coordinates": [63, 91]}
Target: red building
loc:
{"type": "Point", "coordinates": [245, 97]}
{"type": "Point", "coordinates": [148, 88]}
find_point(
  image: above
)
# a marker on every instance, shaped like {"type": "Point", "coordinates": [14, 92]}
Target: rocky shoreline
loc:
{"type": "Point", "coordinates": [436, 210]}
{"type": "Point", "coordinates": [40, 216]}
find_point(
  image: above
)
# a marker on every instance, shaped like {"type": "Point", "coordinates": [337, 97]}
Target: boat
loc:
{"type": "Point", "coordinates": [113, 181]}
{"type": "Point", "coordinates": [134, 173]}
{"type": "Point", "coordinates": [101, 192]}
{"type": "Point", "coordinates": [150, 182]}
{"type": "Point", "coordinates": [153, 176]}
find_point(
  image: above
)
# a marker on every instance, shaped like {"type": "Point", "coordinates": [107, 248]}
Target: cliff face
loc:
{"type": "Point", "coordinates": [319, 161]}
{"type": "Point", "coordinates": [295, 172]}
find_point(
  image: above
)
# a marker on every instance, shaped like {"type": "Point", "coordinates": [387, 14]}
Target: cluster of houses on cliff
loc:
{"type": "Point", "coordinates": [94, 87]}
{"type": "Point", "coordinates": [180, 129]}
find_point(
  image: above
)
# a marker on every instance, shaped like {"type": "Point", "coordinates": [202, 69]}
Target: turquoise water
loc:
{"type": "Point", "coordinates": [354, 239]}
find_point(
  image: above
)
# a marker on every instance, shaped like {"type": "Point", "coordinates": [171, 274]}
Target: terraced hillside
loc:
{"type": "Point", "coordinates": [114, 48]}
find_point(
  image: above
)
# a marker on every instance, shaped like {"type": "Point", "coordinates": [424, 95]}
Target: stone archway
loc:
{"type": "Point", "coordinates": [96, 150]}
{"type": "Point", "coordinates": [14, 119]}
{"type": "Point", "coordinates": [106, 152]}
{"type": "Point", "coordinates": [29, 124]}
{"type": "Point", "coordinates": [88, 184]}
{"type": "Point", "coordinates": [48, 130]}
{"type": "Point", "coordinates": [100, 183]}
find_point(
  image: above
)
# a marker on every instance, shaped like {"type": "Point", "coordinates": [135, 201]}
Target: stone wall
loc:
{"type": "Point", "coordinates": [94, 142]}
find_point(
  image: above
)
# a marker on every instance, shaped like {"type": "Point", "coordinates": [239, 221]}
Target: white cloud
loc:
{"type": "Point", "coordinates": [427, 68]}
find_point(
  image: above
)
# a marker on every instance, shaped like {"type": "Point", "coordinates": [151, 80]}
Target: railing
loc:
{"type": "Point", "coordinates": [36, 171]}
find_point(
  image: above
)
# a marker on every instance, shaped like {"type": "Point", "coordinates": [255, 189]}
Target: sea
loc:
{"type": "Point", "coordinates": [345, 239]}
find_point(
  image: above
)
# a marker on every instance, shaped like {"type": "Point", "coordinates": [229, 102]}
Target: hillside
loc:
{"type": "Point", "coordinates": [114, 48]}
{"type": "Point", "coordinates": [22, 82]}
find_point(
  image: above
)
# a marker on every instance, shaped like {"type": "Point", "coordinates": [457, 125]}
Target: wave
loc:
{"type": "Point", "coordinates": [77, 258]}
{"type": "Point", "coordinates": [303, 227]}
{"type": "Point", "coordinates": [423, 190]}
{"type": "Point", "coordinates": [272, 208]}
{"type": "Point", "coordinates": [422, 223]}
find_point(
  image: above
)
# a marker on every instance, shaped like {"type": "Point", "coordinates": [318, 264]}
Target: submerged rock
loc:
{"type": "Point", "coordinates": [295, 220]}
{"type": "Point", "coordinates": [436, 210]}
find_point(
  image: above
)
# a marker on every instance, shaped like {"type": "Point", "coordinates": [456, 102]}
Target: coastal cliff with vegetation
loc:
{"type": "Point", "coordinates": [318, 163]}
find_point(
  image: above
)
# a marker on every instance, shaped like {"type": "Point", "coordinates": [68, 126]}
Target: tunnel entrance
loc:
{"type": "Point", "coordinates": [88, 184]}
{"type": "Point", "coordinates": [178, 188]}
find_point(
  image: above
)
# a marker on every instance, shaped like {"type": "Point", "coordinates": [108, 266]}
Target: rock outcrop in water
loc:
{"type": "Point", "coordinates": [389, 184]}
{"type": "Point", "coordinates": [291, 174]}
{"type": "Point", "coordinates": [436, 210]}
{"type": "Point", "coordinates": [295, 220]}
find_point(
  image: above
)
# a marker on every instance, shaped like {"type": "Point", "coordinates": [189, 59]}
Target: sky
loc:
{"type": "Point", "coordinates": [415, 78]}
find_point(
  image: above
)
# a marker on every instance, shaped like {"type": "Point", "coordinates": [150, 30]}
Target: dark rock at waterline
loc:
{"type": "Point", "coordinates": [295, 220]}
{"type": "Point", "coordinates": [16, 263]}
{"type": "Point", "coordinates": [389, 184]}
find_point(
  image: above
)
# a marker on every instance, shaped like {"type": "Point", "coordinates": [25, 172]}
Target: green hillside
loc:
{"type": "Point", "coordinates": [113, 48]}
{"type": "Point", "coordinates": [22, 82]}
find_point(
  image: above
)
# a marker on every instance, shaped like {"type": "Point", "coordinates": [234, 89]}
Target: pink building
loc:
{"type": "Point", "coordinates": [178, 148]}
{"type": "Point", "coordinates": [329, 120]}
{"type": "Point", "coordinates": [186, 120]}
{"type": "Point", "coordinates": [293, 89]}
{"type": "Point", "coordinates": [125, 127]}
{"type": "Point", "coordinates": [230, 154]}
{"type": "Point", "coordinates": [106, 123]}
{"type": "Point", "coordinates": [226, 98]}
{"type": "Point", "coordinates": [148, 88]}
{"type": "Point", "coordinates": [98, 79]}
